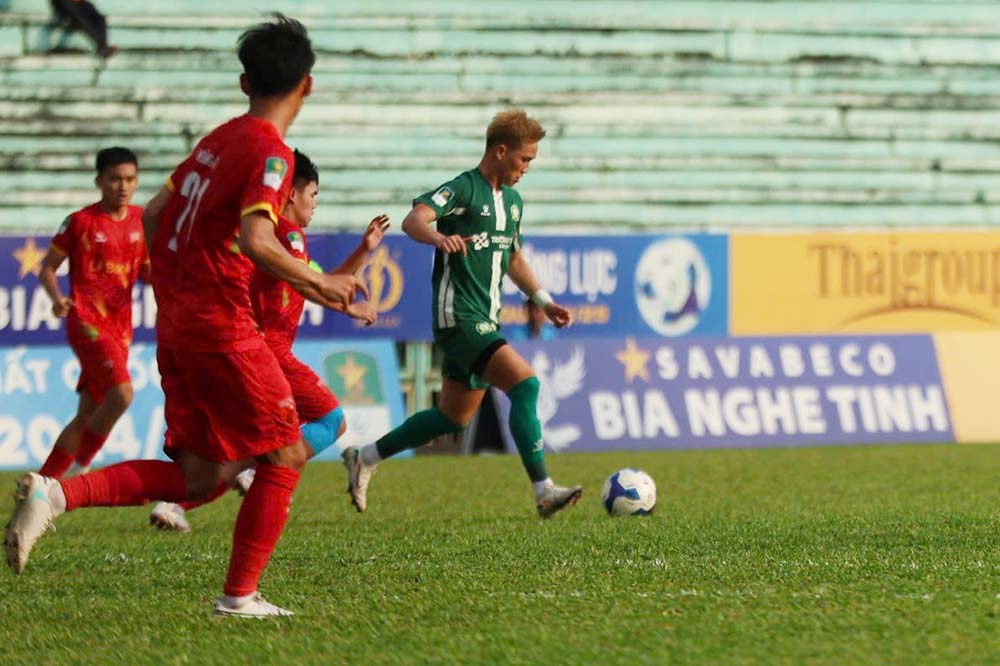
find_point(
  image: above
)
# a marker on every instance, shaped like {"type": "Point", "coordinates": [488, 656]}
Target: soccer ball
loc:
{"type": "Point", "coordinates": [629, 492]}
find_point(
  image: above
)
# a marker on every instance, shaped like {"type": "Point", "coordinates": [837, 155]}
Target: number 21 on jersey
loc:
{"type": "Point", "coordinates": [193, 189]}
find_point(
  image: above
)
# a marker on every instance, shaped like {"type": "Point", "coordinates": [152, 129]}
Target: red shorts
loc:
{"type": "Point", "coordinates": [313, 399]}
{"type": "Point", "coordinates": [228, 405]}
{"type": "Point", "coordinates": [103, 365]}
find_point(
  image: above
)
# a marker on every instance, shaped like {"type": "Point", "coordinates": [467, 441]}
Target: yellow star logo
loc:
{"type": "Point", "coordinates": [634, 359]}
{"type": "Point", "coordinates": [352, 374]}
{"type": "Point", "coordinates": [30, 258]}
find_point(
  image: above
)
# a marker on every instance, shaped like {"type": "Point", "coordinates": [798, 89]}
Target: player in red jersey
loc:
{"type": "Point", "coordinates": [278, 309]}
{"type": "Point", "coordinates": [228, 405]}
{"type": "Point", "coordinates": [107, 254]}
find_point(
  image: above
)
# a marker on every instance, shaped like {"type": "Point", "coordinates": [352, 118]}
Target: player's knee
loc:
{"type": "Point", "coordinates": [295, 456]}
{"type": "Point", "coordinates": [201, 485]}
{"type": "Point", "coordinates": [323, 432]}
{"type": "Point", "coordinates": [527, 389]}
{"type": "Point", "coordinates": [119, 397]}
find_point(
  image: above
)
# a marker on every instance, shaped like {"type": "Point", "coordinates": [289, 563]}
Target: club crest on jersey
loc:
{"type": "Point", "coordinates": [442, 196]}
{"type": "Point", "coordinates": [515, 213]}
{"type": "Point", "coordinates": [274, 172]}
{"type": "Point", "coordinates": [296, 241]}
{"type": "Point", "coordinates": [482, 328]}
{"type": "Point", "coordinates": [485, 212]}
{"type": "Point", "coordinates": [134, 237]}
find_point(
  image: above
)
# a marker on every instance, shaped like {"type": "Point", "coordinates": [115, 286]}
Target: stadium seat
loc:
{"type": "Point", "coordinates": [660, 115]}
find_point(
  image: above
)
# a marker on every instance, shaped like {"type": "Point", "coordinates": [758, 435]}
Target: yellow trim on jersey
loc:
{"type": "Point", "coordinates": [53, 246]}
{"type": "Point", "coordinates": [169, 184]}
{"type": "Point", "coordinates": [262, 206]}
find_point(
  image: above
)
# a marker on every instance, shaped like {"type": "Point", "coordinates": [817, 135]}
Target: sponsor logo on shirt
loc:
{"type": "Point", "coordinates": [99, 237]}
{"type": "Point", "coordinates": [296, 241]}
{"type": "Point", "coordinates": [134, 237]}
{"type": "Point", "coordinates": [274, 172]}
{"type": "Point", "coordinates": [442, 196]}
{"type": "Point", "coordinates": [480, 241]}
{"type": "Point", "coordinates": [515, 213]}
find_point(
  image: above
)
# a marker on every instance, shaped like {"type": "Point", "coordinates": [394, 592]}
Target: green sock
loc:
{"type": "Point", "coordinates": [526, 428]}
{"type": "Point", "coordinates": [416, 431]}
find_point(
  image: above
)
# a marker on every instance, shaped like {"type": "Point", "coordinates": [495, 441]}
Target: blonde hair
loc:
{"type": "Point", "coordinates": [512, 128]}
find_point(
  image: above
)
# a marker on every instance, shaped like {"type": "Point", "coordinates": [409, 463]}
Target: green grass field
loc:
{"type": "Point", "coordinates": [833, 556]}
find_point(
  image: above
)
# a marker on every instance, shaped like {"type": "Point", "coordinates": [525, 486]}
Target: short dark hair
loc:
{"type": "Point", "coordinates": [112, 157]}
{"type": "Point", "coordinates": [276, 56]}
{"type": "Point", "coordinates": [306, 170]}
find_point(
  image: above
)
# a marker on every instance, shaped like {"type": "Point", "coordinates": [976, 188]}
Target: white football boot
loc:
{"type": "Point", "coordinates": [169, 516]}
{"type": "Point", "coordinates": [556, 498]}
{"type": "Point", "coordinates": [358, 476]}
{"type": "Point", "coordinates": [255, 606]}
{"type": "Point", "coordinates": [32, 517]}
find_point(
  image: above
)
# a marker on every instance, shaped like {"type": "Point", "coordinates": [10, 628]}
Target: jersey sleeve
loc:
{"type": "Point", "coordinates": [517, 211]}
{"type": "Point", "coordinates": [452, 197]}
{"type": "Point", "coordinates": [268, 182]}
{"type": "Point", "coordinates": [292, 238]}
{"type": "Point", "coordinates": [63, 241]}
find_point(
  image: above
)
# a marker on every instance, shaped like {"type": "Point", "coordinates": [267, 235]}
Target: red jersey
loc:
{"type": "Point", "coordinates": [106, 257]}
{"type": "Point", "coordinates": [276, 305]}
{"type": "Point", "coordinates": [201, 280]}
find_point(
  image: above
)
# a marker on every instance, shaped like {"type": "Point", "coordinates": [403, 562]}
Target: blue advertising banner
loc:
{"type": "Point", "coordinates": [640, 285]}
{"type": "Point", "coordinates": [398, 275]}
{"type": "Point", "coordinates": [37, 398]}
{"type": "Point", "coordinates": [643, 286]}
{"type": "Point", "coordinates": [739, 392]}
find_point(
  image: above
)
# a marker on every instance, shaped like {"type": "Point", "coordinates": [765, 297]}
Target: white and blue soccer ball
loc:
{"type": "Point", "coordinates": [629, 492]}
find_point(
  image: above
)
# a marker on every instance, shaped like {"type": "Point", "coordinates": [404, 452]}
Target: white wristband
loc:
{"type": "Point", "coordinates": [541, 298]}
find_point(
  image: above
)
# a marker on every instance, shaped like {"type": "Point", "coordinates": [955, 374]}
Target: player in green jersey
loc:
{"type": "Point", "coordinates": [477, 241]}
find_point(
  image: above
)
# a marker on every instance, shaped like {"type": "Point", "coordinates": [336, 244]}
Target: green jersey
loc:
{"type": "Point", "coordinates": [467, 289]}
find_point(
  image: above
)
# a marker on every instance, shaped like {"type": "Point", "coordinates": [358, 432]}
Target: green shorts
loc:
{"type": "Point", "coordinates": [463, 345]}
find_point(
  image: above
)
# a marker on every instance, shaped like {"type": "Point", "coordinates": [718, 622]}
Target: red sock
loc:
{"type": "Point", "coordinates": [260, 522]}
{"type": "Point", "coordinates": [90, 443]}
{"type": "Point", "coordinates": [129, 483]}
{"type": "Point", "coordinates": [56, 464]}
{"type": "Point", "coordinates": [187, 505]}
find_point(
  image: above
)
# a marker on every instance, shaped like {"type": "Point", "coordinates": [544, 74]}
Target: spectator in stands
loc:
{"type": "Point", "coordinates": [537, 326]}
{"type": "Point", "coordinates": [82, 15]}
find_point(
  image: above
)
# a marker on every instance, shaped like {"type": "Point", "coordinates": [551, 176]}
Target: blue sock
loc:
{"type": "Point", "coordinates": [322, 433]}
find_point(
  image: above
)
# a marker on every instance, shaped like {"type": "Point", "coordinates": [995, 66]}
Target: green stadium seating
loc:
{"type": "Point", "coordinates": [679, 115]}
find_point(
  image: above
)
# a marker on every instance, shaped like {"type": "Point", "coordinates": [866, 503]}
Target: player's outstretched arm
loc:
{"type": "Point", "coordinates": [519, 271]}
{"type": "Point", "coordinates": [61, 304]}
{"type": "Point", "coordinates": [258, 242]}
{"type": "Point", "coordinates": [417, 225]}
{"type": "Point", "coordinates": [371, 240]}
{"type": "Point", "coordinates": [151, 216]}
